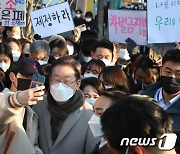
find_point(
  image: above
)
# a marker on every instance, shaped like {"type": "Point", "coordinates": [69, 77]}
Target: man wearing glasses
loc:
{"type": "Point", "coordinates": [63, 114]}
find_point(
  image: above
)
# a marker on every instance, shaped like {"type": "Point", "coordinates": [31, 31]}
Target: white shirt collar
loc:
{"type": "Point", "coordinates": [160, 100]}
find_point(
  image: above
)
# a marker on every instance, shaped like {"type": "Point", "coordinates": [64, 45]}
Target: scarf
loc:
{"type": "Point", "coordinates": [60, 112]}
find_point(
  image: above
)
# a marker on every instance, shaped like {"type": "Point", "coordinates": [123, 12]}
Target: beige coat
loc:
{"type": "Point", "coordinates": [75, 136]}
{"type": "Point", "coordinates": [13, 137]}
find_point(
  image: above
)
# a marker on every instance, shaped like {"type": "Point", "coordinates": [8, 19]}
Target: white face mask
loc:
{"type": "Point", "coordinates": [123, 54]}
{"type": "Point", "coordinates": [95, 126]}
{"type": "Point", "coordinates": [86, 59]}
{"type": "Point", "coordinates": [90, 101]}
{"type": "Point", "coordinates": [4, 66]}
{"type": "Point", "coordinates": [16, 37]}
{"type": "Point", "coordinates": [61, 92]}
{"type": "Point", "coordinates": [88, 19]}
{"type": "Point", "coordinates": [42, 62]}
{"type": "Point", "coordinates": [70, 49]}
{"type": "Point", "coordinates": [106, 62]}
{"type": "Point", "coordinates": [16, 55]}
{"type": "Point", "coordinates": [78, 15]}
{"type": "Point", "coordinates": [88, 75]}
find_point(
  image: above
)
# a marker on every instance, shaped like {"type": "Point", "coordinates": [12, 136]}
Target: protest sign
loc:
{"type": "Point", "coordinates": [13, 12]}
{"type": "Point", "coordinates": [52, 20]}
{"type": "Point", "coordinates": [163, 21]}
{"type": "Point", "coordinates": [125, 24]}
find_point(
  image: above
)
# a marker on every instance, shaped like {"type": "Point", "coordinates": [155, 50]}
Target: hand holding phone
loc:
{"type": "Point", "coordinates": [82, 27]}
{"type": "Point", "coordinates": [34, 95]}
{"type": "Point", "coordinates": [130, 43]}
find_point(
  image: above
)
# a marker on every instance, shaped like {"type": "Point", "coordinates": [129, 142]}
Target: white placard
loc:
{"type": "Point", "coordinates": [13, 13]}
{"type": "Point", "coordinates": [52, 20]}
{"type": "Point", "coordinates": [125, 24]}
{"type": "Point", "coordinates": [163, 21]}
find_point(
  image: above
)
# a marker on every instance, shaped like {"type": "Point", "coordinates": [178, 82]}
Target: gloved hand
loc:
{"type": "Point", "coordinates": [130, 43]}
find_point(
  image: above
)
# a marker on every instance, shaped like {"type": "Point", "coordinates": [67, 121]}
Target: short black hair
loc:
{"type": "Point", "coordinates": [67, 61]}
{"type": "Point", "coordinates": [172, 55]}
{"type": "Point", "coordinates": [104, 44]}
{"type": "Point", "coordinates": [89, 14]}
{"type": "Point", "coordinates": [114, 94]}
{"type": "Point", "coordinates": [78, 11]}
{"type": "Point", "coordinates": [87, 46]}
{"type": "Point", "coordinates": [134, 116]}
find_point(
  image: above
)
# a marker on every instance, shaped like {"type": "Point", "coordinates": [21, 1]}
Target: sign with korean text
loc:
{"type": "Point", "coordinates": [52, 20]}
{"type": "Point", "coordinates": [163, 21]}
{"type": "Point", "coordinates": [13, 12]}
{"type": "Point", "coordinates": [125, 24]}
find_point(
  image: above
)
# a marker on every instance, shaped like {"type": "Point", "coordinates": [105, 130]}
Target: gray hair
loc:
{"type": "Point", "coordinates": [39, 46]}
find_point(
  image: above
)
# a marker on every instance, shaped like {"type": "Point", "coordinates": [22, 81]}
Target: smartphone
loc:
{"type": "Point", "coordinates": [82, 27]}
{"type": "Point", "coordinates": [37, 80]}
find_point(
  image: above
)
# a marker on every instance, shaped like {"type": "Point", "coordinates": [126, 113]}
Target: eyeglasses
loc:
{"type": "Point", "coordinates": [68, 83]}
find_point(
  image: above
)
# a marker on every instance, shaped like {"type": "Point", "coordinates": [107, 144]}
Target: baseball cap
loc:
{"type": "Point", "coordinates": [78, 11]}
{"type": "Point", "coordinates": [26, 66]}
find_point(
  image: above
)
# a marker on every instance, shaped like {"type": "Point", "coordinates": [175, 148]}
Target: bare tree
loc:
{"type": "Point", "coordinates": [100, 18]}
{"type": "Point", "coordinates": [31, 6]}
{"type": "Point", "coordinates": [47, 4]}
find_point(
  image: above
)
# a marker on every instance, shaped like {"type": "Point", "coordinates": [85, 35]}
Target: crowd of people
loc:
{"type": "Point", "coordinates": [95, 93]}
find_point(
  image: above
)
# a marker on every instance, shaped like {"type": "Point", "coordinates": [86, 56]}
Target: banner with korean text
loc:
{"type": "Point", "coordinates": [125, 24]}
{"type": "Point", "coordinates": [52, 20]}
{"type": "Point", "coordinates": [13, 13]}
{"type": "Point", "coordinates": [163, 21]}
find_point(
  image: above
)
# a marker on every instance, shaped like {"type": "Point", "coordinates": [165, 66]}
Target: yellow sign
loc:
{"type": "Point", "coordinates": [89, 5]}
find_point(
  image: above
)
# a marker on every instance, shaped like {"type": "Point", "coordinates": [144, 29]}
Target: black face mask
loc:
{"type": "Point", "coordinates": [23, 84]}
{"type": "Point", "coordinates": [170, 85]}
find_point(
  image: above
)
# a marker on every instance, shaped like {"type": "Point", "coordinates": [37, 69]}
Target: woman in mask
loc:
{"type": "Point", "coordinates": [6, 58]}
{"type": "Point", "coordinates": [58, 48]}
{"type": "Point", "coordinates": [16, 48]}
{"type": "Point", "coordinates": [93, 68]}
{"type": "Point", "coordinates": [91, 88]}
{"type": "Point", "coordinates": [146, 73]}
{"type": "Point", "coordinates": [11, 32]}
{"type": "Point", "coordinates": [108, 98]}
{"type": "Point", "coordinates": [63, 114]}
{"type": "Point", "coordinates": [114, 77]}
{"type": "Point", "coordinates": [25, 46]}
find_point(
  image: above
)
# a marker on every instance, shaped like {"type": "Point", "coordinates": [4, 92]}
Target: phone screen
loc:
{"type": "Point", "coordinates": [37, 80]}
{"type": "Point", "coordinates": [82, 27]}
